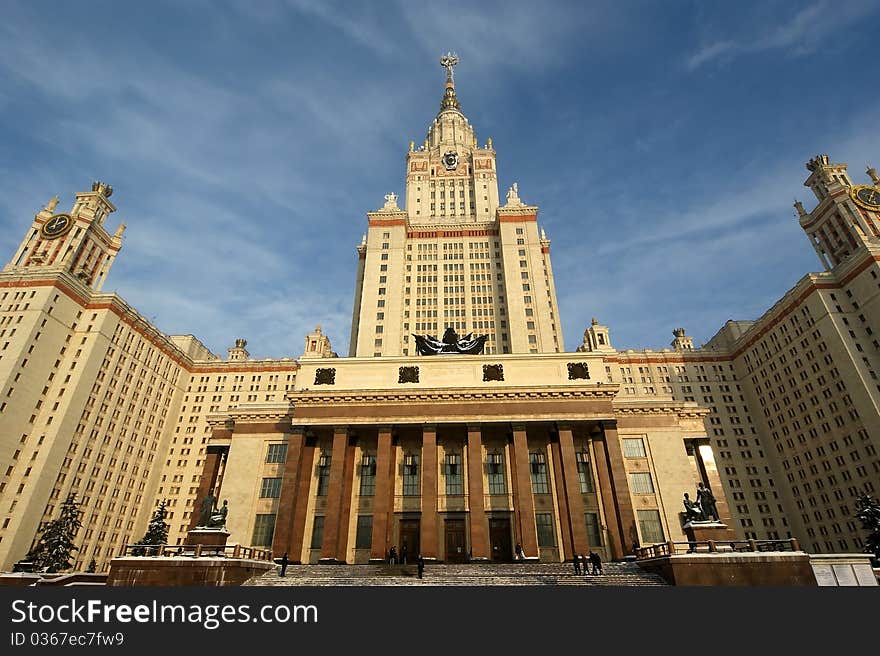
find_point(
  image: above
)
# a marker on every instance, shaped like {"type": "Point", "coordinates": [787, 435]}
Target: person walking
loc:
{"type": "Point", "coordinates": [585, 564]}
{"type": "Point", "coordinates": [284, 563]}
{"type": "Point", "coordinates": [421, 565]}
{"type": "Point", "coordinates": [577, 564]}
{"type": "Point", "coordinates": [392, 555]}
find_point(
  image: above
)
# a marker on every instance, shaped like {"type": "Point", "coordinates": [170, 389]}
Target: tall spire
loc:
{"type": "Point", "coordinates": [450, 101]}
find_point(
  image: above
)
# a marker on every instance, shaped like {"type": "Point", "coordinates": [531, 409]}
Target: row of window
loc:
{"type": "Point", "coordinates": [452, 469]}
{"type": "Point", "coordinates": [650, 527]}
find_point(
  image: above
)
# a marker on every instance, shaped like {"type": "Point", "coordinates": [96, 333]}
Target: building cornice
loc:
{"type": "Point", "coordinates": [445, 395]}
{"type": "Point", "coordinates": [681, 409]}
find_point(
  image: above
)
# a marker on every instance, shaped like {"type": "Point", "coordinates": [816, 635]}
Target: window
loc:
{"type": "Point", "coordinates": [641, 483]}
{"type": "Point", "coordinates": [650, 526]}
{"type": "Point", "coordinates": [585, 472]}
{"type": "Point", "coordinates": [264, 531]}
{"type": "Point", "coordinates": [594, 534]}
{"type": "Point", "coordinates": [546, 535]}
{"type": "Point", "coordinates": [411, 475]}
{"type": "Point", "coordinates": [368, 476]}
{"type": "Point", "coordinates": [454, 478]}
{"type": "Point", "coordinates": [633, 447]}
{"type": "Point", "coordinates": [323, 474]}
{"type": "Point", "coordinates": [540, 484]}
{"type": "Point", "coordinates": [364, 536]}
{"type": "Point", "coordinates": [271, 488]}
{"type": "Point", "coordinates": [277, 453]}
{"type": "Point", "coordinates": [318, 532]}
{"type": "Point", "coordinates": [497, 480]}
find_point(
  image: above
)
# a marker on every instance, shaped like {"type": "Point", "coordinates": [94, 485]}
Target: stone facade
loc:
{"type": "Point", "coordinates": [459, 457]}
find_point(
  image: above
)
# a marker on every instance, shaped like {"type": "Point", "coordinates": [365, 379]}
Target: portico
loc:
{"type": "Point", "coordinates": [454, 473]}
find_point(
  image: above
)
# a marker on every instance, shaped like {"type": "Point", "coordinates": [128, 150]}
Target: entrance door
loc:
{"type": "Point", "coordinates": [499, 538]}
{"type": "Point", "coordinates": [409, 540]}
{"type": "Point", "coordinates": [456, 546]}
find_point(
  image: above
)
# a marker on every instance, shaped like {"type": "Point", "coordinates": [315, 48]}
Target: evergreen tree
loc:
{"type": "Point", "coordinates": [157, 531]}
{"type": "Point", "coordinates": [868, 512]}
{"type": "Point", "coordinates": [55, 547]}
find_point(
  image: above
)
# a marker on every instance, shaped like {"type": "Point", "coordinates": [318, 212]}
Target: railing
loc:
{"type": "Point", "coordinates": [196, 551]}
{"type": "Point", "coordinates": [715, 546]}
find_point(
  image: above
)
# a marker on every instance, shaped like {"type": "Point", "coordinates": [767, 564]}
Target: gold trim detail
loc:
{"type": "Point", "coordinates": [854, 194]}
{"type": "Point", "coordinates": [55, 235]}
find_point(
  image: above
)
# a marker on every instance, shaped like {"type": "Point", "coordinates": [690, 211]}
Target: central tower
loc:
{"type": "Point", "coordinates": [453, 256]}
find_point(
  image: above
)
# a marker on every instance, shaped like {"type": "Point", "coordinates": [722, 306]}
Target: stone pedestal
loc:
{"type": "Point", "coordinates": [208, 537]}
{"type": "Point", "coordinates": [185, 570]}
{"type": "Point", "coordinates": [715, 532]}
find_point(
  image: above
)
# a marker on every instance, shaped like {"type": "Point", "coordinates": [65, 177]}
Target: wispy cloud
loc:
{"type": "Point", "coordinates": [246, 143]}
{"type": "Point", "coordinates": [803, 33]}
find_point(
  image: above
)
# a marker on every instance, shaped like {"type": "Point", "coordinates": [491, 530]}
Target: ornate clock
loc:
{"type": "Point", "coordinates": [866, 196]}
{"type": "Point", "coordinates": [450, 160]}
{"type": "Point", "coordinates": [57, 226]}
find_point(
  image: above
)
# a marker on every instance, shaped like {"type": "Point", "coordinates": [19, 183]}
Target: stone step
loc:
{"type": "Point", "coordinates": [614, 574]}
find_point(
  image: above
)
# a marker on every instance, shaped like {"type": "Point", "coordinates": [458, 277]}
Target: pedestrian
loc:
{"type": "Point", "coordinates": [597, 562]}
{"type": "Point", "coordinates": [421, 564]}
{"type": "Point", "coordinates": [586, 565]}
{"type": "Point", "coordinates": [284, 563]}
{"type": "Point", "coordinates": [577, 564]}
{"type": "Point", "coordinates": [392, 555]}
{"type": "Point", "coordinates": [519, 552]}
{"type": "Point", "coordinates": [403, 554]}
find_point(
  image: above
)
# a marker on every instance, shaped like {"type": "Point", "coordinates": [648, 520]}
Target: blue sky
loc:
{"type": "Point", "coordinates": [663, 141]}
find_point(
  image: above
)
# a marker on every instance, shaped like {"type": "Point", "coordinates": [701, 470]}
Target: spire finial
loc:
{"type": "Point", "coordinates": [872, 173]}
{"type": "Point", "coordinates": [448, 61]}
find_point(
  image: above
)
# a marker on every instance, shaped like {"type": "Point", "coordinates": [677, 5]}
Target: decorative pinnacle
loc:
{"type": "Point", "coordinates": [872, 173]}
{"type": "Point", "coordinates": [448, 61]}
{"type": "Point", "coordinates": [102, 188]}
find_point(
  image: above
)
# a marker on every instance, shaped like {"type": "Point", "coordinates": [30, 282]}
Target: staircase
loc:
{"type": "Point", "coordinates": [501, 574]}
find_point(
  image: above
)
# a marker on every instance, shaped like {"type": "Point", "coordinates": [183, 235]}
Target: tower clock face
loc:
{"type": "Point", "coordinates": [56, 226]}
{"type": "Point", "coordinates": [450, 160]}
{"type": "Point", "coordinates": [867, 197]}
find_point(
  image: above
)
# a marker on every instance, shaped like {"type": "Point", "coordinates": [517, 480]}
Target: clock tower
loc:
{"type": "Point", "coordinates": [454, 256]}
{"type": "Point", "coordinates": [74, 241]}
{"type": "Point", "coordinates": [847, 215]}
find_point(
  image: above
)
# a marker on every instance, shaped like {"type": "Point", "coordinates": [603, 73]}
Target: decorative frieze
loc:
{"type": "Point", "coordinates": [325, 376]}
{"type": "Point", "coordinates": [493, 372]}
{"type": "Point", "coordinates": [408, 375]}
{"type": "Point", "coordinates": [578, 371]}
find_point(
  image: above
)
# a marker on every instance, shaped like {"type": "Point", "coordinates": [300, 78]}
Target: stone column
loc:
{"type": "Point", "coordinates": [576, 519]}
{"type": "Point", "coordinates": [479, 521]}
{"type": "Point", "coordinates": [523, 501]}
{"type": "Point", "coordinates": [283, 540]}
{"type": "Point", "coordinates": [561, 501]}
{"type": "Point", "coordinates": [332, 514]}
{"type": "Point", "coordinates": [428, 524]}
{"type": "Point", "coordinates": [616, 500]}
{"type": "Point", "coordinates": [214, 456]}
{"type": "Point", "coordinates": [345, 512]}
{"type": "Point", "coordinates": [383, 498]}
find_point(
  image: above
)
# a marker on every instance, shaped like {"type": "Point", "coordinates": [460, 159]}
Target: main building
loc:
{"type": "Point", "coordinates": [453, 456]}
